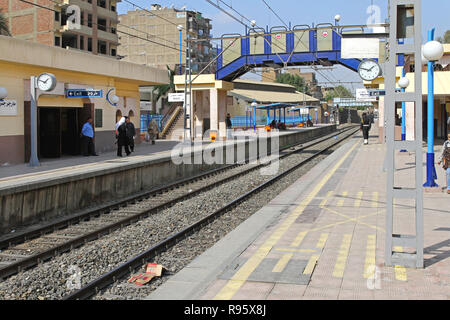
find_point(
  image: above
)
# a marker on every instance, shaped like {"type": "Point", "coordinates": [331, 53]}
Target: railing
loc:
{"type": "Point", "coordinates": [173, 117]}
{"type": "Point", "coordinates": [247, 122]}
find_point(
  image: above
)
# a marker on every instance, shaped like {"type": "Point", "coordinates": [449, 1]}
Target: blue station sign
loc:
{"type": "Point", "coordinates": [83, 93]}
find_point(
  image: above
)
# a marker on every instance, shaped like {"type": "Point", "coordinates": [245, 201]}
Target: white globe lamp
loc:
{"type": "Point", "coordinates": [433, 50]}
{"type": "Point", "coordinates": [3, 93]}
{"type": "Point", "coordinates": [403, 82]}
{"type": "Point", "coordinates": [180, 27]}
{"type": "Point", "coordinates": [114, 99]}
{"type": "Point", "coordinates": [253, 23]}
{"type": "Point", "coordinates": [337, 17]}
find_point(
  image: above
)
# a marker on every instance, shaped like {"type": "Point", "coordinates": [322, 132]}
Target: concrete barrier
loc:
{"type": "Point", "coordinates": [26, 203]}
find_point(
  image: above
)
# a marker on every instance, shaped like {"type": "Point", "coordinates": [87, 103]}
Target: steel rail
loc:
{"type": "Point", "coordinates": [45, 255]}
{"type": "Point", "coordinates": [136, 262]}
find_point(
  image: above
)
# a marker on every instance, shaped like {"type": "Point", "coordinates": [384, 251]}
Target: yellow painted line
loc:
{"type": "Point", "coordinates": [340, 222]}
{"type": "Point", "coordinates": [340, 203]}
{"type": "Point", "coordinates": [370, 263]}
{"type": "Point", "coordinates": [375, 200]}
{"type": "Point", "coordinates": [311, 264]}
{"type": "Point", "coordinates": [233, 285]}
{"type": "Point", "coordinates": [297, 250]}
{"type": "Point", "coordinates": [323, 239]}
{"type": "Point", "coordinates": [357, 220]}
{"type": "Point", "coordinates": [400, 271]}
{"type": "Point", "coordinates": [279, 267]}
{"type": "Point", "coordinates": [341, 261]}
{"type": "Point", "coordinates": [298, 240]}
{"type": "Point", "coordinates": [327, 197]}
{"type": "Point", "coordinates": [358, 199]}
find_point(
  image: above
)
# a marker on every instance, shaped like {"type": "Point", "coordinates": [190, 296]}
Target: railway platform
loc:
{"type": "Point", "coordinates": [64, 187]}
{"type": "Point", "coordinates": [323, 238]}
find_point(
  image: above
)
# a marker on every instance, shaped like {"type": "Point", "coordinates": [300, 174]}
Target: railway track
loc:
{"type": "Point", "coordinates": [72, 232]}
{"type": "Point", "coordinates": [138, 261]}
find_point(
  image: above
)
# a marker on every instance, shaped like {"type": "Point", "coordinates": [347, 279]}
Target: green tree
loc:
{"type": "Point", "coordinates": [4, 29]}
{"type": "Point", "coordinates": [294, 80]}
{"type": "Point", "coordinates": [338, 92]}
{"type": "Point", "coordinates": [162, 90]}
{"type": "Point", "coordinates": [445, 38]}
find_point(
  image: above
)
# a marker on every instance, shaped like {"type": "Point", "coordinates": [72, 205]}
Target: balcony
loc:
{"type": "Point", "coordinates": [84, 5]}
{"type": "Point", "coordinates": [103, 35]}
{"type": "Point", "coordinates": [85, 30]}
{"type": "Point", "coordinates": [106, 13]}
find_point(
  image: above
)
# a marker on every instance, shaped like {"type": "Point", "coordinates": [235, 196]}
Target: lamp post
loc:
{"type": "Point", "coordinates": [403, 84]}
{"type": "Point", "coordinates": [432, 51]}
{"type": "Point", "coordinates": [337, 18]}
{"type": "Point", "coordinates": [254, 105]}
{"type": "Point", "coordinates": [180, 28]}
{"type": "Point", "coordinates": [403, 112]}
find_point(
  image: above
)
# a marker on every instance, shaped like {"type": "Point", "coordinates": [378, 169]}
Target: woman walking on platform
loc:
{"type": "Point", "coordinates": [365, 127]}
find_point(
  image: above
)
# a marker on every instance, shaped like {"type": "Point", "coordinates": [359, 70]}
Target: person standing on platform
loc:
{"type": "Point", "coordinates": [229, 125]}
{"type": "Point", "coordinates": [445, 160]}
{"type": "Point", "coordinates": [152, 131]}
{"type": "Point", "coordinates": [131, 133]}
{"type": "Point", "coordinates": [87, 139]}
{"type": "Point", "coordinates": [122, 139]}
{"type": "Point", "coordinates": [365, 127]}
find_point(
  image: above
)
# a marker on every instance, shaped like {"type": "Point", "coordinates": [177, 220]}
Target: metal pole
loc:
{"type": "Point", "coordinates": [185, 90]}
{"type": "Point", "coordinates": [431, 170]}
{"type": "Point", "coordinates": [34, 161]}
{"type": "Point", "coordinates": [191, 116]}
{"type": "Point", "coordinates": [403, 114]}
{"type": "Point", "coordinates": [181, 32]}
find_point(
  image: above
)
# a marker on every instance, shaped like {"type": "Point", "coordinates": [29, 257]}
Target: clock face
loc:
{"type": "Point", "coordinates": [46, 82]}
{"type": "Point", "coordinates": [369, 70]}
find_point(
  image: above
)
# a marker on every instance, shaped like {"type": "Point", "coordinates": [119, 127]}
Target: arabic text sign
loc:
{"type": "Point", "coordinates": [8, 108]}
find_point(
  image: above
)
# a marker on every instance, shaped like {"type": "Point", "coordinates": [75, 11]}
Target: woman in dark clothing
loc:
{"type": "Point", "coordinates": [365, 127]}
{"type": "Point", "coordinates": [122, 139]}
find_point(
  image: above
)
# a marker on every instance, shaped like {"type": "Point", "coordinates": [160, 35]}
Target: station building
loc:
{"type": "Point", "coordinates": [212, 99]}
{"type": "Point", "coordinates": [60, 118]}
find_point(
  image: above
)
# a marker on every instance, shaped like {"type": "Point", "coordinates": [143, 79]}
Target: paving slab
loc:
{"type": "Point", "coordinates": [329, 226]}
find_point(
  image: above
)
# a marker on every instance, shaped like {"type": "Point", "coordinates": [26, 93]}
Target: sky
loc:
{"type": "Point", "coordinates": [435, 14]}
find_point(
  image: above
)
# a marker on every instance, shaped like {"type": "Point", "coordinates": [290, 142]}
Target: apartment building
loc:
{"type": "Point", "coordinates": [49, 22]}
{"type": "Point", "coordinates": [159, 25]}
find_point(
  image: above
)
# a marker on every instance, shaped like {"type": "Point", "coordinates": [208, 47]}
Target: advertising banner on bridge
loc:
{"type": "Point", "coordinates": [360, 48]}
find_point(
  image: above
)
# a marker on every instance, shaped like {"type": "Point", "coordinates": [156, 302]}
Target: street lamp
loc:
{"type": "Point", "coordinates": [315, 109]}
{"type": "Point", "coordinates": [432, 51]}
{"type": "Point", "coordinates": [337, 18]}
{"type": "Point", "coordinates": [403, 84]}
{"type": "Point", "coordinates": [180, 28]}
{"type": "Point", "coordinates": [254, 105]}
{"type": "Point", "coordinates": [114, 99]}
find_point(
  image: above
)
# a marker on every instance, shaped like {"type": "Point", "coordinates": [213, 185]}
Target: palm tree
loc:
{"type": "Point", "coordinates": [163, 89]}
{"type": "Point", "coordinates": [4, 29]}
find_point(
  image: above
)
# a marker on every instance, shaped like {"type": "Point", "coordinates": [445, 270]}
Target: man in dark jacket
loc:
{"type": "Point", "coordinates": [365, 127]}
{"type": "Point", "coordinates": [122, 139]}
{"type": "Point", "coordinates": [131, 133]}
